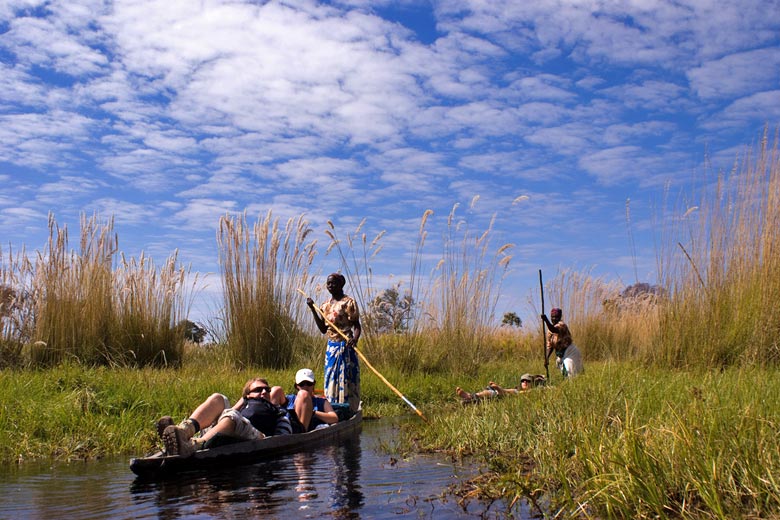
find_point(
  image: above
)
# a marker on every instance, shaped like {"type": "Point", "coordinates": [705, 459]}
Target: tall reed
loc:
{"type": "Point", "coordinates": [74, 306]}
{"type": "Point", "coordinates": [452, 320]}
{"type": "Point", "coordinates": [459, 311]}
{"type": "Point", "coordinates": [721, 262]}
{"type": "Point", "coordinates": [150, 302]}
{"type": "Point", "coordinates": [262, 268]}
{"type": "Point", "coordinates": [74, 295]}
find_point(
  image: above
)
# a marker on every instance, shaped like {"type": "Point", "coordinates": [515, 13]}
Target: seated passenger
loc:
{"type": "Point", "coordinates": [308, 412]}
{"type": "Point", "coordinates": [257, 414]}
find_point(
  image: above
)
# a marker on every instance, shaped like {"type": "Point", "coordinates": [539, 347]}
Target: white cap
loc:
{"type": "Point", "coordinates": [304, 374]}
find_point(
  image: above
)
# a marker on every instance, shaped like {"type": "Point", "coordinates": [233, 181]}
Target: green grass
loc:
{"type": "Point", "coordinates": [617, 442]}
{"type": "Point", "coordinates": [75, 412]}
{"type": "Point", "coordinates": [622, 442]}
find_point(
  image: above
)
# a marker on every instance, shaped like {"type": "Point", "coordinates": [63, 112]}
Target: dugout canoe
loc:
{"type": "Point", "coordinates": [245, 452]}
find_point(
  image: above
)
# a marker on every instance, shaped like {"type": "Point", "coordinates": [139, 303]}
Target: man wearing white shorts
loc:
{"type": "Point", "coordinates": [559, 340]}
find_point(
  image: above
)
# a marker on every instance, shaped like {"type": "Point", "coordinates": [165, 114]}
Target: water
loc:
{"type": "Point", "coordinates": [356, 479]}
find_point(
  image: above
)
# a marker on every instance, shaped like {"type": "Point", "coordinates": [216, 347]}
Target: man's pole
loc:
{"type": "Point", "coordinates": [544, 334]}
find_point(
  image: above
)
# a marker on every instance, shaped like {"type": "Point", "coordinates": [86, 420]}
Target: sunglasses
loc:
{"type": "Point", "coordinates": [259, 390]}
{"type": "Point", "coordinates": [305, 383]}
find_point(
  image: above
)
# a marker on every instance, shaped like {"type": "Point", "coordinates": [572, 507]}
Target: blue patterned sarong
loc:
{"type": "Point", "coordinates": [342, 374]}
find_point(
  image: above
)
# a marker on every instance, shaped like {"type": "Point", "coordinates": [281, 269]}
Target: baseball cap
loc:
{"type": "Point", "coordinates": [304, 374]}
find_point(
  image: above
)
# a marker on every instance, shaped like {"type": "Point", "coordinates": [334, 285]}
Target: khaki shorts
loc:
{"type": "Point", "coordinates": [244, 429]}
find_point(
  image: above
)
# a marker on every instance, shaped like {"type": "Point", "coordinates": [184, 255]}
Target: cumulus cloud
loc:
{"type": "Point", "coordinates": [170, 113]}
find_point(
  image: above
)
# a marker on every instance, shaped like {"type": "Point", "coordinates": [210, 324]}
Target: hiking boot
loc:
{"type": "Point", "coordinates": [177, 441]}
{"type": "Point", "coordinates": [188, 427]}
{"type": "Point", "coordinates": [163, 423]}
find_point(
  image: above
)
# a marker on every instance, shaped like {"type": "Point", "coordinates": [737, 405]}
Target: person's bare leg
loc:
{"type": "Point", "coordinates": [304, 408]}
{"type": "Point", "coordinates": [277, 396]}
{"type": "Point", "coordinates": [497, 388]}
{"type": "Point", "coordinates": [209, 410]}
{"type": "Point", "coordinates": [177, 438]}
{"type": "Point", "coordinates": [463, 394]}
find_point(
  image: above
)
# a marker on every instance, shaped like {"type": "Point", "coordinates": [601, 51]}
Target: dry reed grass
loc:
{"type": "Point", "coordinates": [262, 267]}
{"type": "Point", "coordinates": [721, 263]}
{"type": "Point", "coordinates": [719, 274]}
{"type": "Point", "coordinates": [452, 321]}
{"type": "Point", "coordinates": [74, 306]}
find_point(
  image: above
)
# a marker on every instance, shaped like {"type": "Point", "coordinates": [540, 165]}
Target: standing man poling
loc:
{"type": "Point", "coordinates": [559, 340]}
{"type": "Point", "coordinates": [342, 372]}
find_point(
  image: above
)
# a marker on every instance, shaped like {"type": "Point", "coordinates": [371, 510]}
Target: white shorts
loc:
{"type": "Point", "coordinates": [571, 362]}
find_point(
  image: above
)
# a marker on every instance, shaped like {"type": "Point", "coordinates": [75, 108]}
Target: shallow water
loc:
{"type": "Point", "coordinates": [356, 479]}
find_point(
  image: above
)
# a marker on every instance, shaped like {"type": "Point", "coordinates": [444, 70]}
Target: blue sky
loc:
{"type": "Point", "coordinates": [168, 114]}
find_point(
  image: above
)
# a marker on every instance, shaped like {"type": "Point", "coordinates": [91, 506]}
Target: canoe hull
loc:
{"type": "Point", "coordinates": [246, 452]}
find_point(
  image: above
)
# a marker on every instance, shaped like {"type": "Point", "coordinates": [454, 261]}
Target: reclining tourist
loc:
{"type": "Point", "coordinates": [257, 414]}
{"type": "Point", "coordinates": [493, 390]}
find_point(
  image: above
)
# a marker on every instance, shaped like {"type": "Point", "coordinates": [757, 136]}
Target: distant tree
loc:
{"type": "Point", "coordinates": [511, 319]}
{"type": "Point", "coordinates": [390, 311]}
{"type": "Point", "coordinates": [634, 298]}
{"type": "Point", "coordinates": [192, 331]}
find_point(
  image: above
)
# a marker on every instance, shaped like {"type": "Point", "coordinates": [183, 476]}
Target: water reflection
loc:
{"type": "Point", "coordinates": [352, 480]}
{"type": "Point", "coordinates": [324, 479]}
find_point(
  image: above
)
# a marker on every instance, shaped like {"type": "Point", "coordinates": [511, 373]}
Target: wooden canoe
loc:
{"type": "Point", "coordinates": [244, 452]}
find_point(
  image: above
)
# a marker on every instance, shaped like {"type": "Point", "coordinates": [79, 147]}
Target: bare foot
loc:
{"type": "Point", "coordinates": [462, 394]}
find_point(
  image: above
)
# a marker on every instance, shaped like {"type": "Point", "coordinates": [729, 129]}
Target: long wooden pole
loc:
{"type": "Point", "coordinates": [544, 334]}
{"type": "Point", "coordinates": [369, 365]}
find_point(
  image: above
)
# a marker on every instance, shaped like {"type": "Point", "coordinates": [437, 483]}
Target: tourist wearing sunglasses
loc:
{"type": "Point", "coordinates": [257, 414]}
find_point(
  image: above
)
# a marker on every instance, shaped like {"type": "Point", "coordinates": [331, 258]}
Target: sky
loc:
{"type": "Point", "coordinates": [549, 118]}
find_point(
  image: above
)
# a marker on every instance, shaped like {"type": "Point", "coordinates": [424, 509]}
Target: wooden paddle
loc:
{"type": "Point", "coordinates": [369, 365]}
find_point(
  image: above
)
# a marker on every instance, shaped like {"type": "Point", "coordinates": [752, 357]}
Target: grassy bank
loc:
{"type": "Point", "coordinates": [618, 442]}
{"type": "Point", "coordinates": [623, 442]}
{"type": "Point", "coordinates": [76, 413]}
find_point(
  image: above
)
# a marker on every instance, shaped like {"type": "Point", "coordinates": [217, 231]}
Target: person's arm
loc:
{"type": "Point", "coordinates": [354, 322]}
{"type": "Point", "coordinates": [552, 328]}
{"type": "Point", "coordinates": [548, 349]}
{"type": "Point", "coordinates": [501, 390]}
{"type": "Point", "coordinates": [356, 331]}
{"type": "Point", "coordinates": [317, 318]}
{"type": "Point", "coordinates": [328, 415]}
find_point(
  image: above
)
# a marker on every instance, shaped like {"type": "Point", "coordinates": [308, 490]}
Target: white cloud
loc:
{"type": "Point", "coordinates": [125, 212]}
{"type": "Point", "coordinates": [204, 213]}
{"type": "Point", "coordinates": [762, 106]}
{"type": "Point", "coordinates": [737, 74]}
{"type": "Point", "coordinates": [612, 166]}
{"type": "Point", "coordinates": [38, 139]}
{"type": "Point", "coordinates": [654, 95]}
{"type": "Point", "coordinates": [52, 43]}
